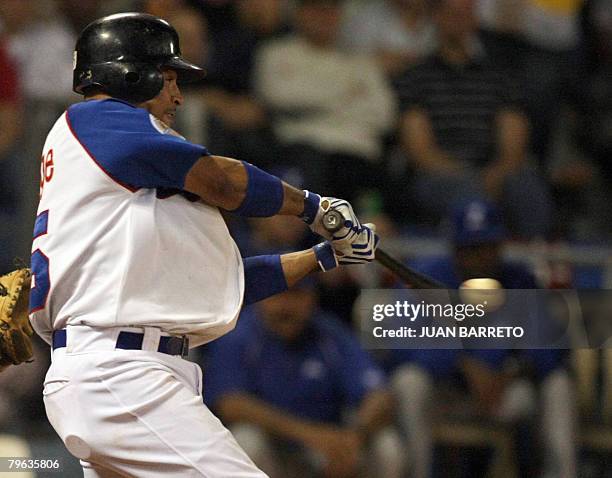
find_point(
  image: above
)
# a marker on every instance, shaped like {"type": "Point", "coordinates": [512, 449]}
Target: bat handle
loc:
{"type": "Point", "coordinates": [333, 221]}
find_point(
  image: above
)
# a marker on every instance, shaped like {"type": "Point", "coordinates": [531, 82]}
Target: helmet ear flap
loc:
{"type": "Point", "coordinates": [140, 83]}
{"type": "Point", "coordinates": [135, 82]}
{"type": "Point", "coordinates": [131, 78]}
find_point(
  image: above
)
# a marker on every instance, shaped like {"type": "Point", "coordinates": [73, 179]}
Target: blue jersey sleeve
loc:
{"type": "Point", "coordinates": [123, 141]}
{"type": "Point", "coordinates": [357, 373]}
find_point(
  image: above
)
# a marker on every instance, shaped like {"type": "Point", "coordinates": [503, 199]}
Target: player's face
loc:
{"type": "Point", "coordinates": [164, 105]}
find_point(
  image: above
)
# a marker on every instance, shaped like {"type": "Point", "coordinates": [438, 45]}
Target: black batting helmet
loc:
{"type": "Point", "coordinates": [123, 54]}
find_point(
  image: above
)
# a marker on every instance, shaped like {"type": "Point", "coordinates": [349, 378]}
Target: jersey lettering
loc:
{"type": "Point", "coordinates": [47, 168]}
{"type": "Point", "coordinates": [41, 282]}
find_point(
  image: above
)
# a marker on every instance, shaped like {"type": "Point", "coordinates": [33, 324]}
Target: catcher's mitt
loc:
{"type": "Point", "coordinates": [15, 328]}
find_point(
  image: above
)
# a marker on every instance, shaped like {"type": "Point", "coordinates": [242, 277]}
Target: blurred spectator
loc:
{"type": "Point", "coordinates": [189, 23]}
{"type": "Point", "coordinates": [397, 32]}
{"type": "Point", "coordinates": [10, 103]}
{"type": "Point", "coordinates": [597, 114]}
{"type": "Point", "coordinates": [79, 13]}
{"type": "Point", "coordinates": [163, 8]}
{"type": "Point", "coordinates": [11, 126]}
{"type": "Point", "coordinates": [239, 125]}
{"type": "Point", "coordinates": [225, 36]}
{"type": "Point", "coordinates": [42, 46]}
{"type": "Point", "coordinates": [192, 29]}
{"type": "Point", "coordinates": [329, 108]}
{"type": "Point", "coordinates": [542, 40]}
{"type": "Point", "coordinates": [40, 42]}
{"type": "Point", "coordinates": [594, 108]}
{"type": "Point", "coordinates": [498, 394]}
{"type": "Point", "coordinates": [250, 24]}
{"type": "Point", "coordinates": [285, 382]}
{"type": "Point", "coordinates": [553, 66]}
{"type": "Point", "coordinates": [578, 101]}
{"type": "Point", "coordinates": [20, 401]}
{"type": "Point", "coordinates": [464, 131]}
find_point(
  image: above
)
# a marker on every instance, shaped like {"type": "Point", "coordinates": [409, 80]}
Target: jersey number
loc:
{"type": "Point", "coordinates": [40, 267]}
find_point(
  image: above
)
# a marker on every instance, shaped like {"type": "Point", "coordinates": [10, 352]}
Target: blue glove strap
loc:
{"type": "Point", "coordinates": [311, 207]}
{"type": "Point", "coordinates": [326, 258]}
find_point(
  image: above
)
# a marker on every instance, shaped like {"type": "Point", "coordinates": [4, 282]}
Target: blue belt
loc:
{"type": "Point", "coordinates": [133, 341]}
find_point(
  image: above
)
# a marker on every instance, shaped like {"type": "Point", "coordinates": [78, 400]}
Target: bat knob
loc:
{"type": "Point", "coordinates": [333, 221]}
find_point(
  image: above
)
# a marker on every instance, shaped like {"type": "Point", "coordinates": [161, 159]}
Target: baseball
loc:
{"type": "Point", "coordinates": [483, 290]}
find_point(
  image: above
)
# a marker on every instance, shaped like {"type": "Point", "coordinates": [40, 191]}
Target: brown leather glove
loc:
{"type": "Point", "coordinates": [15, 328]}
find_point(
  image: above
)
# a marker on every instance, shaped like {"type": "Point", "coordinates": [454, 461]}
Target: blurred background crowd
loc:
{"type": "Point", "coordinates": [477, 134]}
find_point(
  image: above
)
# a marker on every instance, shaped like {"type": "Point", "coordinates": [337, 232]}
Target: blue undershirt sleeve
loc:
{"type": "Point", "coordinates": [263, 277]}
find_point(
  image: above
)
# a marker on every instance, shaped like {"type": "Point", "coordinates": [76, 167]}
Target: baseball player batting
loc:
{"type": "Point", "coordinates": [133, 264]}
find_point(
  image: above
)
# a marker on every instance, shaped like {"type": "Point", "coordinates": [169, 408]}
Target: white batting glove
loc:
{"type": "Point", "coordinates": [360, 250]}
{"type": "Point", "coordinates": [315, 208]}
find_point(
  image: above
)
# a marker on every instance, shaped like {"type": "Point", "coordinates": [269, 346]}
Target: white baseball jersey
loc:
{"type": "Point", "coordinates": [116, 240]}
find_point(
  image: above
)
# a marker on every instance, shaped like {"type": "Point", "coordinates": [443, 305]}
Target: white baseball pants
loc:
{"type": "Point", "coordinates": [136, 413]}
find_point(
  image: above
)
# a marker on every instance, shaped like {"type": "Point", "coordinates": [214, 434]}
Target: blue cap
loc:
{"type": "Point", "coordinates": [477, 222]}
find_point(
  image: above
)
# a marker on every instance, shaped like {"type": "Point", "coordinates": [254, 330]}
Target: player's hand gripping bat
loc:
{"type": "Point", "coordinates": [334, 221]}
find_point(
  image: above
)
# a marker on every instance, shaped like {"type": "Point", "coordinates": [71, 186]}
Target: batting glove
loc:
{"type": "Point", "coordinates": [315, 208]}
{"type": "Point", "coordinates": [361, 251]}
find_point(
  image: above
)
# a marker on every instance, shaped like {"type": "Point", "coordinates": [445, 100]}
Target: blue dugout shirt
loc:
{"type": "Point", "coordinates": [315, 378]}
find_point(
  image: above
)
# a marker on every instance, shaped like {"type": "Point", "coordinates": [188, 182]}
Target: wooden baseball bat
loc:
{"type": "Point", "coordinates": [334, 221]}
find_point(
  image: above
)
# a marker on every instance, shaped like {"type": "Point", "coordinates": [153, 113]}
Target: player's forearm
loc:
{"type": "Point", "coordinates": [237, 186]}
{"type": "Point", "coordinates": [297, 265]}
{"type": "Point", "coordinates": [241, 407]}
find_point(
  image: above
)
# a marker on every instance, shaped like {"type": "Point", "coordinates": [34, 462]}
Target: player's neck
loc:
{"type": "Point", "coordinates": [97, 96]}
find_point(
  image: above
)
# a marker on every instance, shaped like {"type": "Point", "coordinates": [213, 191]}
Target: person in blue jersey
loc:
{"type": "Point", "coordinates": [477, 240]}
{"type": "Point", "coordinates": [301, 395]}
{"type": "Point", "coordinates": [133, 264]}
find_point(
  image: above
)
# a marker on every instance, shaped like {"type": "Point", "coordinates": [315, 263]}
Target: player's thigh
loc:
{"type": "Point", "coordinates": [170, 430]}
{"type": "Point", "coordinates": [144, 419]}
